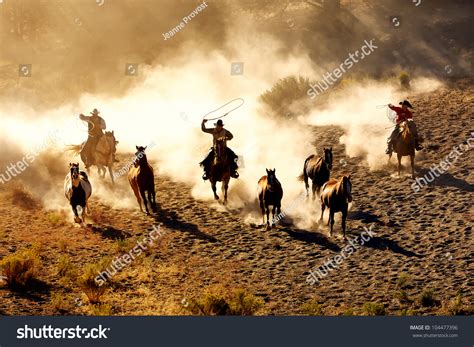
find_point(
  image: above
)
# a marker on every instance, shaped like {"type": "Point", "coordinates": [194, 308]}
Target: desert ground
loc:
{"type": "Point", "coordinates": [419, 262]}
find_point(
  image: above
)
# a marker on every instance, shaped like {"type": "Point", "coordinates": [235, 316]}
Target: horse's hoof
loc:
{"type": "Point", "coordinates": [77, 220]}
{"type": "Point", "coordinates": [268, 228]}
{"type": "Point", "coordinates": [216, 197]}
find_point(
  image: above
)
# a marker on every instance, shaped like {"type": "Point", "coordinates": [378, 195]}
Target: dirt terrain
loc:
{"type": "Point", "coordinates": [423, 240]}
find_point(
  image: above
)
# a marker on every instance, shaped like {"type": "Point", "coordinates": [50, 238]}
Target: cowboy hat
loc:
{"type": "Point", "coordinates": [219, 122]}
{"type": "Point", "coordinates": [95, 111]}
{"type": "Point", "coordinates": [406, 103]}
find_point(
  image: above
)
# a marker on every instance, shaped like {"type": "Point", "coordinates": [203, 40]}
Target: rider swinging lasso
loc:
{"type": "Point", "coordinates": [218, 132]}
{"type": "Point", "coordinates": [403, 113]}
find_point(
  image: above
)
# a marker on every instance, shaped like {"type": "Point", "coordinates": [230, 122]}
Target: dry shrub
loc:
{"type": "Point", "coordinates": [88, 284]}
{"type": "Point", "coordinates": [218, 302]}
{"type": "Point", "coordinates": [20, 196]}
{"type": "Point", "coordinates": [374, 309]}
{"type": "Point", "coordinates": [404, 79]}
{"type": "Point", "coordinates": [312, 308]}
{"type": "Point", "coordinates": [284, 93]}
{"type": "Point", "coordinates": [20, 269]}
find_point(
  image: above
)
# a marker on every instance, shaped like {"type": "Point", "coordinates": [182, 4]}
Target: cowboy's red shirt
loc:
{"type": "Point", "coordinates": [401, 113]}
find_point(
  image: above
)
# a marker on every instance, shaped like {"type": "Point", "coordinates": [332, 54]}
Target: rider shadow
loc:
{"type": "Point", "coordinates": [448, 180]}
{"type": "Point", "coordinates": [386, 244]}
{"type": "Point", "coordinates": [171, 220]}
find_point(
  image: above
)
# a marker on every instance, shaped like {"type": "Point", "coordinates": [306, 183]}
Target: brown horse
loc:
{"type": "Point", "coordinates": [220, 168]}
{"type": "Point", "coordinates": [270, 193]}
{"type": "Point", "coordinates": [142, 180]}
{"type": "Point", "coordinates": [404, 145]}
{"type": "Point", "coordinates": [336, 196]}
{"type": "Point", "coordinates": [318, 169]}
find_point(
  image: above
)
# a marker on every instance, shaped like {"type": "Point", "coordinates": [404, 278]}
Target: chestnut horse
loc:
{"type": "Point", "coordinates": [336, 196]}
{"type": "Point", "coordinates": [404, 145]}
{"type": "Point", "coordinates": [142, 180]}
{"type": "Point", "coordinates": [270, 193]}
{"type": "Point", "coordinates": [318, 169]}
{"type": "Point", "coordinates": [220, 168]}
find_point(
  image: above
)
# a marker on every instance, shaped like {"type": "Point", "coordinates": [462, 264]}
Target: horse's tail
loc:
{"type": "Point", "coordinates": [75, 149]}
{"type": "Point", "coordinates": [304, 175]}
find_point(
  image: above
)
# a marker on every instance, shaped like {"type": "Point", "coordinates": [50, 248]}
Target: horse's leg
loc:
{"type": "Point", "coordinates": [331, 221]}
{"type": "Point", "coordinates": [225, 186]}
{"type": "Point", "coordinates": [84, 212]}
{"type": "Point", "coordinates": [399, 158]}
{"type": "Point", "coordinates": [143, 195]}
{"type": "Point", "coordinates": [111, 174]}
{"type": "Point", "coordinates": [267, 209]}
{"type": "Point", "coordinates": [344, 216]}
{"type": "Point", "coordinates": [153, 195]}
{"type": "Point", "coordinates": [322, 211]}
{"type": "Point", "coordinates": [262, 208]}
{"type": "Point", "coordinates": [273, 216]}
{"type": "Point", "coordinates": [213, 186]}
{"type": "Point", "coordinates": [77, 219]}
{"type": "Point", "coordinates": [412, 159]}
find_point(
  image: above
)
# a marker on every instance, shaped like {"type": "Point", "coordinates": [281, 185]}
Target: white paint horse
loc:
{"type": "Point", "coordinates": [77, 190]}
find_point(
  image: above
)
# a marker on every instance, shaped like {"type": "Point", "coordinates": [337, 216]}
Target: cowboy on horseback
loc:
{"type": "Point", "coordinates": [403, 114]}
{"type": "Point", "coordinates": [217, 133]}
{"type": "Point", "coordinates": [96, 126]}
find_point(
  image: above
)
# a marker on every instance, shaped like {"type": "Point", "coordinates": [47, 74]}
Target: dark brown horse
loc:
{"type": "Point", "coordinates": [336, 196]}
{"type": "Point", "coordinates": [220, 168]}
{"type": "Point", "coordinates": [318, 169]}
{"type": "Point", "coordinates": [142, 180]}
{"type": "Point", "coordinates": [404, 145]}
{"type": "Point", "coordinates": [270, 193]}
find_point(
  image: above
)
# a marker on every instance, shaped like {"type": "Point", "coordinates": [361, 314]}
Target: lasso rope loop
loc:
{"type": "Point", "coordinates": [217, 109]}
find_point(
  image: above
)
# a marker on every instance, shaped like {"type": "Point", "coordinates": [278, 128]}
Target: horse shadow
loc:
{"type": "Point", "coordinates": [109, 232]}
{"type": "Point", "coordinates": [310, 237]}
{"type": "Point", "coordinates": [382, 243]}
{"type": "Point", "coordinates": [170, 219]}
{"type": "Point", "coordinates": [366, 217]}
{"type": "Point", "coordinates": [35, 291]}
{"type": "Point", "coordinates": [448, 180]}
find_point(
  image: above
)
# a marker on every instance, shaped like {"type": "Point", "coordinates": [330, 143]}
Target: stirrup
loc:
{"type": "Point", "coordinates": [235, 174]}
{"type": "Point", "coordinates": [388, 151]}
{"type": "Point", "coordinates": [204, 176]}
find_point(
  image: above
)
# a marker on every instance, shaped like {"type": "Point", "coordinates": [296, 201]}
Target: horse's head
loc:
{"type": "Point", "coordinates": [140, 156]}
{"type": "Point", "coordinates": [220, 150]}
{"type": "Point", "coordinates": [74, 168]}
{"type": "Point", "coordinates": [347, 187]}
{"type": "Point", "coordinates": [328, 157]}
{"type": "Point", "coordinates": [271, 180]}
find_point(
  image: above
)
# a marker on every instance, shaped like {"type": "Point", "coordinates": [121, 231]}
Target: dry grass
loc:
{"type": "Point", "coordinates": [219, 302]}
{"type": "Point", "coordinates": [374, 309]}
{"type": "Point", "coordinates": [20, 269]}
{"type": "Point", "coordinates": [312, 308]}
{"type": "Point", "coordinates": [89, 286]}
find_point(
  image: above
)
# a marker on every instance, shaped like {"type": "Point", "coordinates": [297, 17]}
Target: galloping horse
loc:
{"type": "Point", "coordinates": [77, 190]}
{"type": "Point", "coordinates": [142, 179]}
{"type": "Point", "coordinates": [404, 145]}
{"type": "Point", "coordinates": [318, 169]}
{"type": "Point", "coordinates": [220, 169]}
{"type": "Point", "coordinates": [104, 153]}
{"type": "Point", "coordinates": [336, 196]}
{"type": "Point", "coordinates": [270, 193]}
